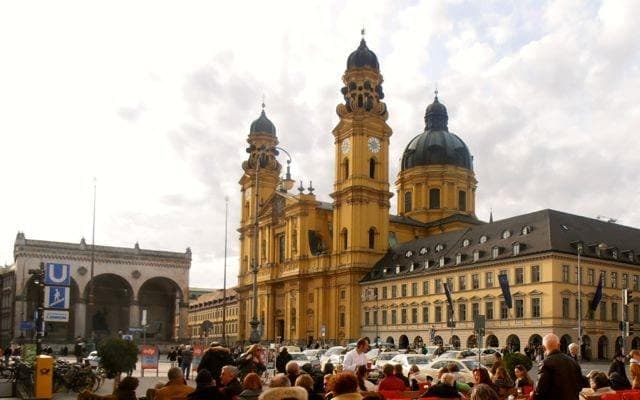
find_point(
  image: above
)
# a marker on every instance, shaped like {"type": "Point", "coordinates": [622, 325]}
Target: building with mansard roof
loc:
{"type": "Point", "coordinates": [212, 311]}
{"type": "Point", "coordinates": [405, 301]}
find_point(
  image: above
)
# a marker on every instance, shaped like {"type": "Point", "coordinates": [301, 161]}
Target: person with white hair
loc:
{"type": "Point", "coordinates": [573, 351]}
{"type": "Point", "coordinates": [560, 376]}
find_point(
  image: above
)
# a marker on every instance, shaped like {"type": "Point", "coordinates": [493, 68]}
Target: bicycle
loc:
{"type": "Point", "coordinates": [24, 379]}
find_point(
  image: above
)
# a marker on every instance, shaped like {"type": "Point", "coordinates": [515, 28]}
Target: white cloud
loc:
{"type": "Point", "coordinates": [156, 98]}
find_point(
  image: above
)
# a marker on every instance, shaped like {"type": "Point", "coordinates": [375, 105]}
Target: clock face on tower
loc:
{"type": "Point", "coordinates": [346, 146]}
{"type": "Point", "coordinates": [374, 145]}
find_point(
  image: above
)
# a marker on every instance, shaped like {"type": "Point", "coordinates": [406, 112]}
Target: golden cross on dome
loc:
{"type": "Point", "coordinates": [362, 31]}
{"type": "Point", "coordinates": [263, 102]}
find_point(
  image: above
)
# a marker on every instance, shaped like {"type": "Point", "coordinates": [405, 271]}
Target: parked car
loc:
{"type": "Point", "coordinates": [301, 359]}
{"type": "Point", "coordinates": [93, 359]}
{"type": "Point", "coordinates": [335, 350]}
{"type": "Point", "coordinates": [335, 359]}
{"type": "Point", "coordinates": [487, 357]}
{"type": "Point", "coordinates": [314, 353]}
{"type": "Point", "coordinates": [407, 360]}
{"type": "Point", "coordinates": [385, 358]}
{"type": "Point", "coordinates": [465, 366]}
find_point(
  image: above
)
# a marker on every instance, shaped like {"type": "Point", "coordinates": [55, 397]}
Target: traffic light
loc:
{"type": "Point", "coordinates": [626, 297]}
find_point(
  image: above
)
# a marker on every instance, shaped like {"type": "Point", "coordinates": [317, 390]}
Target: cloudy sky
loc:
{"type": "Point", "coordinates": [155, 99]}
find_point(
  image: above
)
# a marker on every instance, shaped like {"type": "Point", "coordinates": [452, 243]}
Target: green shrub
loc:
{"type": "Point", "coordinates": [513, 359]}
{"type": "Point", "coordinates": [117, 356]}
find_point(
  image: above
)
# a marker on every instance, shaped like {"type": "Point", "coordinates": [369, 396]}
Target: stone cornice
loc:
{"type": "Point", "coordinates": [102, 257]}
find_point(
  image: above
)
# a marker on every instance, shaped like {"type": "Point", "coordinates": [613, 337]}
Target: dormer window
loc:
{"type": "Point", "coordinates": [427, 264]}
{"type": "Point", "coordinates": [423, 251]}
{"type": "Point", "coordinates": [483, 239]}
{"type": "Point", "coordinates": [442, 261]}
{"type": "Point", "coordinates": [631, 255]}
{"type": "Point", "coordinates": [476, 255]}
{"type": "Point", "coordinates": [458, 258]}
{"type": "Point", "coordinates": [495, 252]}
{"type": "Point", "coordinates": [413, 267]}
{"type": "Point", "coordinates": [398, 269]}
{"type": "Point", "coordinates": [614, 254]}
{"type": "Point", "coordinates": [408, 254]}
{"type": "Point", "coordinates": [526, 230]}
{"type": "Point", "coordinates": [439, 247]}
{"type": "Point", "coordinates": [466, 243]}
{"type": "Point", "coordinates": [516, 249]}
{"type": "Point", "coordinates": [506, 234]}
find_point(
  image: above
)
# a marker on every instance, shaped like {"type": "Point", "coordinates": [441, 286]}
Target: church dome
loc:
{"type": "Point", "coordinates": [363, 57]}
{"type": "Point", "coordinates": [436, 145]}
{"type": "Point", "coordinates": [263, 125]}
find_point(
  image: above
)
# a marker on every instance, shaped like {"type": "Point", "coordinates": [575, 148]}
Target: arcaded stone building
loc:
{"type": "Point", "coordinates": [110, 296]}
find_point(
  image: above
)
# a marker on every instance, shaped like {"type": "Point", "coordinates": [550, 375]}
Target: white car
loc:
{"type": "Point", "coordinates": [465, 367]}
{"type": "Point", "coordinates": [407, 360]}
{"type": "Point", "coordinates": [335, 350]}
{"type": "Point", "coordinates": [92, 359]}
{"type": "Point", "coordinates": [487, 357]}
{"type": "Point", "coordinates": [335, 359]}
{"type": "Point", "coordinates": [385, 358]}
{"type": "Point", "coordinates": [300, 358]}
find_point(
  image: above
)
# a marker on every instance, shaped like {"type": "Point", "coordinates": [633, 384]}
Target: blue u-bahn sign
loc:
{"type": "Point", "coordinates": [57, 274]}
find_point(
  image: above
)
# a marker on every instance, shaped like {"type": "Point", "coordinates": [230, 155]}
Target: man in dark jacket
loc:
{"type": "Point", "coordinates": [214, 359]}
{"type": "Point", "coordinates": [282, 359]}
{"type": "Point", "coordinates": [560, 376]}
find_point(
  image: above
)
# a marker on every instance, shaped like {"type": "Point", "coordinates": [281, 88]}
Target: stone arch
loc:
{"type": "Point", "coordinates": [109, 297]}
{"type": "Point", "coordinates": [565, 341]}
{"type": "Point", "coordinates": [455, 341]}
{"type": "Point", "coordinates": [513, 342]}
{"type": "Point", "coordinates": [472, 342]}
{"type": "Point", "coordinates": [492, 341]}
{"type": "Point", "coordinates": [437, 340]}
{"type": "Point", "coordinates": [161, 298]}
{"type": "Point", "coordinates": [635, 343]}
{"type": "Point", "coordinates": [390, 340]}
{"type": "Point", "coordinates": [403, 342]}
{"type": "Point", "coordinates": [58, 330]}
{"type": "Point", "coordinates": [535, 340]}
{"type": "Point", "coordinates": [418, 341]}
{"type": "Point", "coordinates": [619, 345]}
{"type": "Point", "coordinates": [585, 349]}
{"type": "Point", "coordinates": [603, 344]}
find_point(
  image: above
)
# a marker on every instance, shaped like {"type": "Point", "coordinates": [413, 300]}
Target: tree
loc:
{"type": "Point", "coordinates": [513, 359]}
{"type": "Point", "coordinates": [117, 356]}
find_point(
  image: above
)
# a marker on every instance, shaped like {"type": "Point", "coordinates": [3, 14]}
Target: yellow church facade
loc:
{"type": "Point", "coordinates": [308, 256]}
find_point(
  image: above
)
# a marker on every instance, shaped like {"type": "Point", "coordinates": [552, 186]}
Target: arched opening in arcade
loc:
{"type": "Point", "coordinates": [403, 342]}
{"type": "Point", "coordinates": [472, 342]}
{"type": "Point", "coordinates": [635, 343]}
{"type": "Point", "coordinates": [585, 350]}
{"type": "Point", "coordinates": [109, 298]}
{"type": "Point", "coordinates": [437, 340]}
{"type": "Point", "coordinates": [492, 341]}
{"type": "Point", "coordinates": [418, 342]}
{"type": "Point", "coordinates": [565, 341]}
{"type": "Point", "coordinates": [513, 343]}
{"type": "Point", "coordinates": [619, 345]}
{"type": "Point", "coordinates": [161, 298]}
{"type": "Point", "coordinates": [390, 340]}
{"type": "Point", "coordinates": [535, 340]}
{"type": "Point", "coordinates": [603, 343]}
{"type": "Point", "coordinates": [455, 341]}
{"type": "Point", "coordinates": [54, 330]}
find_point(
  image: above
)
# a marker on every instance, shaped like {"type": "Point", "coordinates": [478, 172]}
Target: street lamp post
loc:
{"type": "Point", "coordinates": [287, 184]}
{"type": "Point", "coordinates": [579, 248]}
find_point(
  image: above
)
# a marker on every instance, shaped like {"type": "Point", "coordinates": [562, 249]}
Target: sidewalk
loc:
{"type": "Point", "coordinates": [148, 381]}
